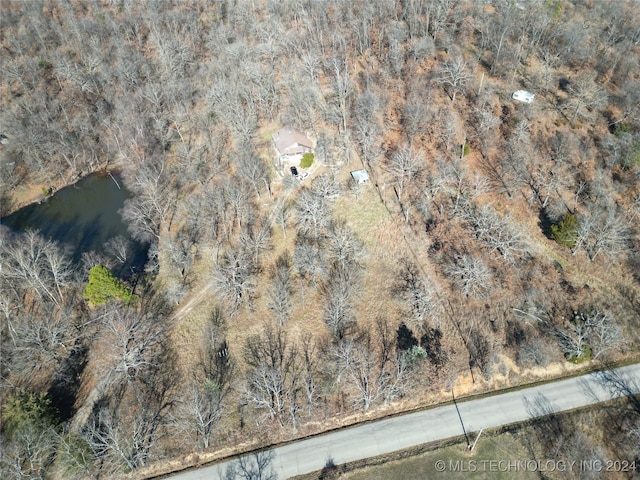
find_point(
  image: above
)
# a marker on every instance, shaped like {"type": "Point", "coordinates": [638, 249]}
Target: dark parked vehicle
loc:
{"type": "Point", "coordinates": [294, 171]}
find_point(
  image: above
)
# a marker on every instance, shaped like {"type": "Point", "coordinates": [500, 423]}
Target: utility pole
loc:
{"type": "Point", "coordinates": [474, 443]}
{"type": "Point", "coordinates": [466, 437]}
{"type": "Point", "coordinates": [464, 341]}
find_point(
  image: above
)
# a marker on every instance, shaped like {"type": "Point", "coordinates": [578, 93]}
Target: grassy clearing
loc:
{"type": "Point", "coordinates": [365, 213]}
{"type": "Point", "coordinates": [458, 462]}
{"type": "Point", "coordinates": [266, 131]}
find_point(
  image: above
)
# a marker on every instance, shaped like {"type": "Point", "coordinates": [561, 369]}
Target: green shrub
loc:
{"type": "Point", "coordinates": [416, 354]}
{"type": "Point", "coordinates": [556, 7]}
{"type": "Point", "coordinates": [566, 231]}
{"type": "Point", "coordinates": [632, 158]}
{"type": "Point", "coordinates": [104, 287]}
{"type": "Point", "coordinates": [584, 356]}
{"type": "Point", "coordinates": [621, 128]}
{"type": "Point", "coordinates": [307, 160]}
{"type": "Point", "coordinates": [28, 408]}
{"type": "Point", "coordinates": [466, 149]}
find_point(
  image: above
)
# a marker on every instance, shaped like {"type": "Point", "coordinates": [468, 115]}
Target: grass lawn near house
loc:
{"type": "Point", "coordinates": [363, 212]}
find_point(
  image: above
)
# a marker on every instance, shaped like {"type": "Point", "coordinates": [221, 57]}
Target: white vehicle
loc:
{"type": "Point", "coordinates": [303, 175]}
{"type": "Point", "coordinates": [523, 96]}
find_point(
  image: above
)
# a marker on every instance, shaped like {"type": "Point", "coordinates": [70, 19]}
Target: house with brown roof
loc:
{"type": "Point", "coordinates": [290, 145]}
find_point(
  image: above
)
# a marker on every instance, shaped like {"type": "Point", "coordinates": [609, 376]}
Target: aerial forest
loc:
{"type": "Point", "coordinates": [495, 243]}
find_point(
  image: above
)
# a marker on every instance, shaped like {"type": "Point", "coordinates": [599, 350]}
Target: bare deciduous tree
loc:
{"type": "Point", "coordinates": [419, 296]}
{"type": "Point", "coordinates": [133, 341]}
{"type": "Point", "coordinates": [343, 87]}
{"type": "Point", "coordinates": [119, 248]}
{"type": "Point", "coordinates": [281, 289]}
{"type": "Point", "coordinates": [602, 231]}
{"type": "Point", "coordinates": [125, 443]}
{"type": "Point", "coordinates": [338, 292]}
{"type": "Point", "coordinates": [486, 124]}
{"type": "Point", "coordinates": [560, 437]}
{"type": "Point", "coordinates": [367, 128]}
{"type": "Point", "coordinates": [256, 239]}
{"type": "Point", "coordinates": [311, 368]}
{"type": "Point", "coordinates": [470, 274]}
{"type": "Point", "coordinates": [178, 252]}
{"type": "Point", "coordinates": [75, 457]}
{"type": "Point", "coordinates": [254, 171]}
{"type": "Point", "coordinates": [201, 407]}
{"type": "Point", "coordinates": [33, 264]}
{"type": "Point", "coordinates": [312, 213]}
{"type": "Point", "coordinates": [311, 262]}
{"type": "Point", "coordinates": [415, 117]}
{"type": "Point", "coordinates": [480, 350]}
{"type": "Point", "coordinates": [30, 452]}
{"type": "Point", "coordinates": [536, 352]}
{"type": "Point", "coordinates": [498, 233]}
{"type": "Point", "coordinates": [325, 185]}
{"type": "Point", "coordinates": [132, 415]}
{"type": "Point", "coordinates": [589, 336]}
{"type": "Point", "coordinates": [273, 377]}
{"type": "Point", "coordinates": [369, 367]}
{"type": "Point", "coordinates": [586, 96]}
{"type": "Point", "coordinates": [404, 165]}
{"type": "Point", "coordinates": [282, 214]}
{"type": "Point", "coordinates": [42, 322]}
{"type": "Point", "coordinates": [605, 334]}
{"type": "Point", "coordinates": [234, 278]}
{"type": "Point", "coordinates": [42, 340]}
{"type": "Point", "coordinates": [454, 75]}
{"type": "Point", "coordinates": [343, 247]}
{"type": "Point", "coordinates": [153, 204]}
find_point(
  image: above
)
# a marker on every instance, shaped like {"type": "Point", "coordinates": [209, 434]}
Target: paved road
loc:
{"type": "Point", "coordinates": [388, 435]}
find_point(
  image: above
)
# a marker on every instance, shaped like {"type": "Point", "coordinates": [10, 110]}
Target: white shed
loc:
{"type": "Point", "coordinates": [523, 96]}
{"type": "Point", "coordinates": [360, 176]}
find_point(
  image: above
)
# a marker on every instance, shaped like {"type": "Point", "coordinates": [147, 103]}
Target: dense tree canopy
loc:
{"type": "Point", "coordinates": [271, 305]}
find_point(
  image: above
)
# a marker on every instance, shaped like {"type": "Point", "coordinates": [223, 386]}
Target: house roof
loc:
{"type": "Point", "coordinates": [289, 141]}
{"type": "Point", "coordinates": [360, 176]}
{"type": "Point", "coordinates": [523, 96]}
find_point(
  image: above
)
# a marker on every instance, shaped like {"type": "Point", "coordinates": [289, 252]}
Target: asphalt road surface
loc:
{"type": "Point", "coordinates": [404, 431]}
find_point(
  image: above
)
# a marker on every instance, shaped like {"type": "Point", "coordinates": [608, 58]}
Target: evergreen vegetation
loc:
{"type": "Point", "coordinates": [632, 158]}
{"type": "Point", "coordinates": [104, 287]}
{"type": "Point", "coordinates": [28, 408]}
{"type": "Point", "coordinates": [566, 231]}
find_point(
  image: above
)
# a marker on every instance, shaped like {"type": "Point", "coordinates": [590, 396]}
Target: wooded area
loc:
{"type": "Point", "coordinates": [495, 241]}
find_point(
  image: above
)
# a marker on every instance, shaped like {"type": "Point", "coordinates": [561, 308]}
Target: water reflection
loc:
{"type": "Point", "coordinates": [84, 217]}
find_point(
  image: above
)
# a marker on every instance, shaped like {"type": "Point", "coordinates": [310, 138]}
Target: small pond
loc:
{"type": "Point", "coordinates": [83, 216]}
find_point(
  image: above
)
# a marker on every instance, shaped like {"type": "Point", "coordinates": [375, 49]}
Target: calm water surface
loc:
{"type": "Point", "coordinates": [83, 216]}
